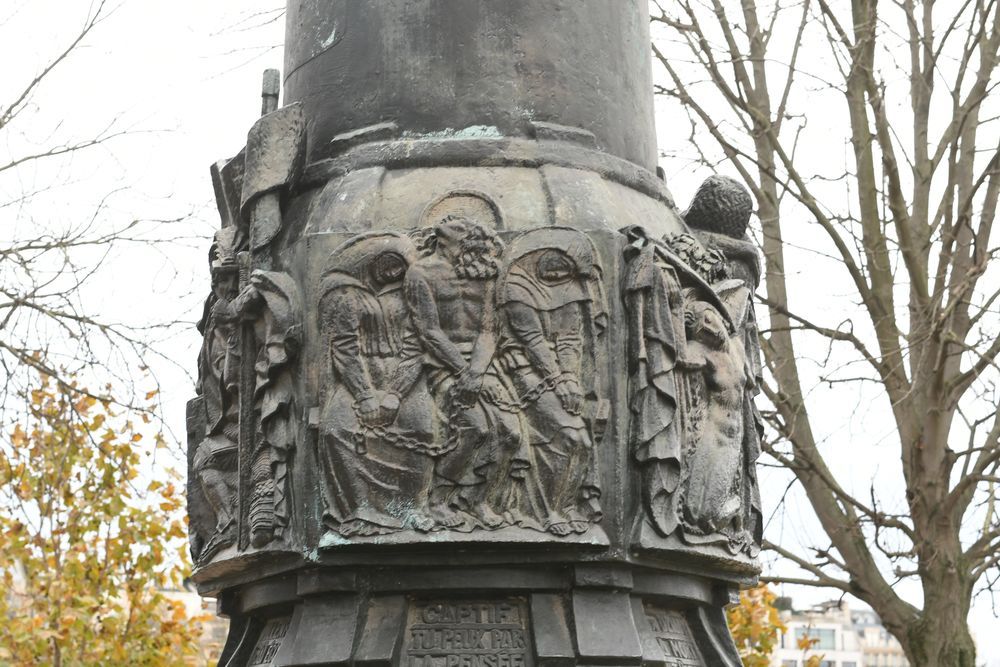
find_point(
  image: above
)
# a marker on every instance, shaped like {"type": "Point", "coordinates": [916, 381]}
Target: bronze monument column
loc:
{"type": "Point", "coordinates": [473, 391]}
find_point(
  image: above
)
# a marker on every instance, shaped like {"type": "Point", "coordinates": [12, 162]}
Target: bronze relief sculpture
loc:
{"type": "Point", "coordinates": [472, 390]}
{"type": "Point", "coordinates": [376, 428]}
{"type": "Point", "coordinates": [450, 292]}
{"type": "Point", "coordinates": [696, 369]}
{"type": "Point", "coordinates": [460, 392]}
{"type": "Point", "coordinates": [553, 307]}
{"type": "Point", "coordinates": [216, 412]}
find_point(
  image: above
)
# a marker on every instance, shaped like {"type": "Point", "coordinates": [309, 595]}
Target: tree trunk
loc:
{"type": "Point", "coordinates": [940, 639]}
{"type": "Point", "coordinates": [939, 636]}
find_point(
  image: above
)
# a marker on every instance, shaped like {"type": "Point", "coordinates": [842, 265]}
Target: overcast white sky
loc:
{"type": "Point", "coordinates": [185, 75]}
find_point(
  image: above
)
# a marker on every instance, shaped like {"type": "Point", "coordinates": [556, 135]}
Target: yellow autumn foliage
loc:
{"type": "Point", "coordinates": [755, 625]}
{"type": "Point", "coordinates": [85, 546]}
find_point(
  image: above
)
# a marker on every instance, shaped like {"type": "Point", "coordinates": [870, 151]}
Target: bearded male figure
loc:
{"type": "Point", "coordinates": [450, 293]}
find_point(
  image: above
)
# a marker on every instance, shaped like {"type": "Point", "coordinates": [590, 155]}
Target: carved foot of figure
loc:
{"type": "Point", "coordinates": [731, 513]}
{"type": "Point", "coordinates": [261, 535]}
{"type": "Point", "coordinates": [447, 518]}
{"type": "Point", "coordinates": [262, 508]}
{"type": "Point", "coordinates": [664, 513]}
{"type": "Point", "coordinates": [558, 525]}
{"type": "Point", "coordinates": [577, 523]}
{"type": "Point", "coordinates": [359, 528]}
{"type": "Point", "coordinates": [487, 517]}
{"type": "Point", "coordinates": [422, 522]}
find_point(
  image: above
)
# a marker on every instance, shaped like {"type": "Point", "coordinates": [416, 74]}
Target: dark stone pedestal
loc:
{"type": "Point", "coordinates": [471, 617]}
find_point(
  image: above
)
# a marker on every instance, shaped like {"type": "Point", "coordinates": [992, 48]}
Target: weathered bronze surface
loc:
{"type": "Point", "coordinates": [473, 392]}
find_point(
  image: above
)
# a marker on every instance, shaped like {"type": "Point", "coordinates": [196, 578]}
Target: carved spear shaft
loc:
{"type": "Point", "coordinates": [258, 258]}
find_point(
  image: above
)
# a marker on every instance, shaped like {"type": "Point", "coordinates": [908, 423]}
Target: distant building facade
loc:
{"type": "Point", "coordinates": [840, 637]}
{"type": "Point", "coordinates": [880, 648]}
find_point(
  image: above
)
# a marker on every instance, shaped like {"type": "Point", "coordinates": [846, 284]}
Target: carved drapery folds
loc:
{"type": "Point", "coordinates": [264, 317]}
{"type": "Point", "coordinates": [471, 386]}
{"type": "Point", "coordinates": [462, 381]}
{"type": "Point", "coordinates": [695, 369]}
{"type": "Point", "coordinates": [213, 417]}
{"type": "Point", "coordinates": [244, 424]}
{"type": "Point", "coordinates": [460, 373]}
{"type": "Point", "coordinates": [270, 302]}
{"type": "Point", "coordinates": [376, 432]}
{"type": "Point", "coordinates": [553, 315]}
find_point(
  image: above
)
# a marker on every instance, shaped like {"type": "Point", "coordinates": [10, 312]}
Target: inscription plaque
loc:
{"type": "Point", "coordinates": [269, 641]}
{"type": "Point", "coordinates": [673, 636]}
{"type": "Point", "coordinates": [467, 633]}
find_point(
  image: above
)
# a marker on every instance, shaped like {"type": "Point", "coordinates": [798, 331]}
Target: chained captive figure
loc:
{"type": "Point", "coordinates": [450, 294]}
{"type": "Point", "coordinates": [551, 298]}
{"type": "Point", "coordinates": [376, 430]}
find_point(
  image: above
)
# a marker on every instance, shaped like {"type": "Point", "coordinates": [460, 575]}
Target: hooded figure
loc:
{"type": "Point", "coordinates": [376, 425]}
{"type": "Point", "coordinates": [554, 310]}
{"type": "Point", "coordinates": [654, 303]}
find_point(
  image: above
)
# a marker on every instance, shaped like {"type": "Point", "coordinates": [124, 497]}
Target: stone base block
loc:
{"type": "Point", "coordinates": [556, 617]}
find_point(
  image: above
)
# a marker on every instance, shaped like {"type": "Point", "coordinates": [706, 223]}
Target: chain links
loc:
{"type": "Point", "coordinates": [397, 439]}
{"type": "Point", "coordinates": [529, 397]}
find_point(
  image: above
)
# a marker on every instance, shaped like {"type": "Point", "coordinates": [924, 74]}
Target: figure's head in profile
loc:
{"type": "Point", "coordinates": [554, 255]}
{"type": "Point", "coordinates": [388, 268]}
{"type": "Point", "coordinates": [223, 265]}
{"type": "Point", "coordinates": [555, 267]}
{"type": "Point", "coordinates": [549, 267]}
{"type": "Point", "coordinates": [703, 323]}
{"type": "Point", "coordinates": [721, 205]}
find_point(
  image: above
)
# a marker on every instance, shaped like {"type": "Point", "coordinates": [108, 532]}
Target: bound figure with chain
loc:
{"type": "Point", "coordinates": [553, 307]}
{"type": "Point", "coordinates": [450, 292]}
{"type": "Point", "coordinates": [376, 425]}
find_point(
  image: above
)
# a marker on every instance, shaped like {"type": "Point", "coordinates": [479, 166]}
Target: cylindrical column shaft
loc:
{"type": "Point", "coordinates": [486, 68]}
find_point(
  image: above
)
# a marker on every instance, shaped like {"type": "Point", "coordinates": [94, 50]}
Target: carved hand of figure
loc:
{"type": "Point", "coordinates": [570, 395]}
{"type": "Point", "coordinates": [492, 390]}
{"type": "Point", "coordinates": [368, 411]}
{"type": "Point", "coordinates": [245, 302]}
{"type": "Point", "coordinates": [468, 385]}
{"type": "Point", "coordinates": [223, 311]}
{"type": "Point", "coordinates": [388, 408]}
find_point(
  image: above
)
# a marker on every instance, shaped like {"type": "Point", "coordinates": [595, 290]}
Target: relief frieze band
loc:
{"type": "Point", "coordinates": [465, 384]}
